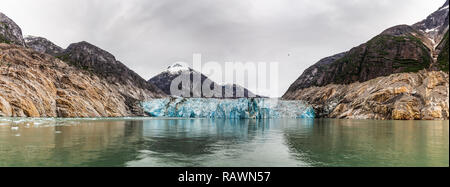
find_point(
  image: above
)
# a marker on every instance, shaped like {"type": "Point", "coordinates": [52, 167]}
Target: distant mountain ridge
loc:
{"type": "Point", "coordinates": [43, 45]}
{"type": "Point", "coordinates": [165, 78]}
{"type": "Point", "coordinates": [90, 57]}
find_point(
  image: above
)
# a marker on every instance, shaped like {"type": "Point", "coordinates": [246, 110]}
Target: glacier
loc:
{"type": "Point", "coordinates": [244, 108]}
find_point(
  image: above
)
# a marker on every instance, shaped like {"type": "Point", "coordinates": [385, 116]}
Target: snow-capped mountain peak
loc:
{"type": "Point", "coordinates": [164, 82]}
{"type": "Point", "coordinates": [177, 68]}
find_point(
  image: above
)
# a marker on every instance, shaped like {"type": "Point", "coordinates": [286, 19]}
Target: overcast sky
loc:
{"type": "Point", "coordinates": [149, 35]}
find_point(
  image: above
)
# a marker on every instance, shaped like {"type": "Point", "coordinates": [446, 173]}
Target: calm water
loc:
{"type": "Point", "coordinates": [204, 142]}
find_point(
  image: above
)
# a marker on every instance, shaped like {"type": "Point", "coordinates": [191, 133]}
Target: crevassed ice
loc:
{"type": "Point", "coordinates": [245, 108]}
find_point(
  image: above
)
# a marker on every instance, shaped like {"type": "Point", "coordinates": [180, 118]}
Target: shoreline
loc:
{"type": "Point", "coordinates": [12, 119]}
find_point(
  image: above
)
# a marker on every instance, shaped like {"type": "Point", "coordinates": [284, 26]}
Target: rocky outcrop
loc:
{"type": "Point", "coordinates": [10, 32]}
{"type": "Point", "coordinates": [404, 96]}
{"type": "Point", "coordinates": [164, 81]}
{"type": "Point", "coordinates": [34, 84]}
{"type": "Point", "coordinates": [43, 45]}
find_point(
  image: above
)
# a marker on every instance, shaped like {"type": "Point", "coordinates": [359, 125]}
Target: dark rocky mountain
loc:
{"type": "Point", "coordinates": [435, 25]}
{"type": "Point", "coordinates": [236, 90]}
{"type": "Point", "coordinates": [404, 96]}
{"type": "Point", "coordinates": [315, 74]}
{"type": "Point", "coordinates": [103, 64]}
{"type": "Point", "coordinates": [164, 81]}
{"type": "Point", "coordinates": [85, 81]}
{"type": "Point", "coordinates": [43, 45]}
{"type": "Point", "coordinates": [10, 32]}
{"type": "Point", "coordinates": [442, 60]}
{"type": "Point", "coordinates": [34, 84]}
{"type": "Point", "coordinates": [89, 57]}
{"type": "Point", "coordinates": [401, 74]}
{"type": "Point", "coordinates": [398, 49]}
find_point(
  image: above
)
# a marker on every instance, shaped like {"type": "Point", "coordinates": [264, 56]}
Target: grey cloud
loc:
{"type": "Point", "coordinates": [149, 35]}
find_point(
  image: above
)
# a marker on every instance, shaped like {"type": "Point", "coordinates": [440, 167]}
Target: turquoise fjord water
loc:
{"type": "Point", "coordinates": [214, 142]}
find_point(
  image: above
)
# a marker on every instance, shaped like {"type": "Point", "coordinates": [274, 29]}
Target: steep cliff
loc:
{"type": "Point", "coordinates": [100, 62]}
{"type": "Point", "coordinates": [436, 24]}
{"type": "Point", "coordinates": [398, 49]}
{"type": "Point", "coordinates": [404, 96]}
{"type": "Point", "coordinates": [315, 74]}
{"type": "Point", "coordinates": [10, 32]}
{"type": "Point", "coordinates": [43, 45]}
{"type": "Point", "coordinates": [442, 60]}
{"type": "Point", "coordinates": [85, 82]}
{"type": "Point", "coordinates": [405, 58]}
{"type": "Point", "coordinates": [34, 84]}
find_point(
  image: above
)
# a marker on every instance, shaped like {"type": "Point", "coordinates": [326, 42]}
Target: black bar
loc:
{"type": "Point", "coordinates": [223, 176]}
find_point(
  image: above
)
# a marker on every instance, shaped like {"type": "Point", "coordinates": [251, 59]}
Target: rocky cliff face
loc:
{"type": "Point", "coordinates": [443, 49]}
{"type": "Point", "coordinates": [85, 82]}
{"type": "Point", "coordinates": [435, 25]}
{"type": "Point", "coordinates": [164, 81]}
{"type": "Point", "coordinates": [314, 75]}
{"type": "Point", "coordinates": [396, 51]}
{"type": "Point", "coordinates": [10, 32]}
{"type": "Point", "coordinates": [34, 84]}
{"type": "Point", "coordinates": [87, 56]}
{"type": "Point", "coordinates": [43, 45]}
{"type": "Point", "coordinates": [404, 96]}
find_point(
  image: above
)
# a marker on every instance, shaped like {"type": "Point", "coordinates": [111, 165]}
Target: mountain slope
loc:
{"type": "Point", "coordinates": [314, 75]}
{"type": "Point", "coordinates": [398, 49]}
{"type": "Point", "coordinates": [43, 45]}
{"type": "Point", "coordinates": [404, 96]}
{"type": "Point", "coordinates": [88, 82]}
{"type": "Point", "coordinates": [87, 56]}
{"type": "Point", "coordinates": [443, 48]}
{"type": "Point", "coordinates": [386, 77]}
{"type": "Point", "coordinates": [34, 84]}
{"type": "Point", "coordinates": [436, 24]}
{"type": "Point", "coordinates": [164, 81]}
{"type": "Point", "coordinates": [10, 32]}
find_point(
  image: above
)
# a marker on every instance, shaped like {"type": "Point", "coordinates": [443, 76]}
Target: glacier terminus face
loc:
{"type": "Point", "coordinates": [245, 108]}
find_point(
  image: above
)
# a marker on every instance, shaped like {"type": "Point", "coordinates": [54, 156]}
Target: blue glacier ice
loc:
{"type": "Point", "coordinates": [245, 108]}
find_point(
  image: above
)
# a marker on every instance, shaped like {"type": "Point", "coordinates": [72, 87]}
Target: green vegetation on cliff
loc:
{"type": "Point", "coordinates": [387, 46]}
{"type": "Point", "coordinates": [443, 61]}
{"type": "Point", "coordinates": [383, 55]}
{"type": "Point", "coordinates": [66, 58]}
{"type": "Point", "coordinates": [4, 40]}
